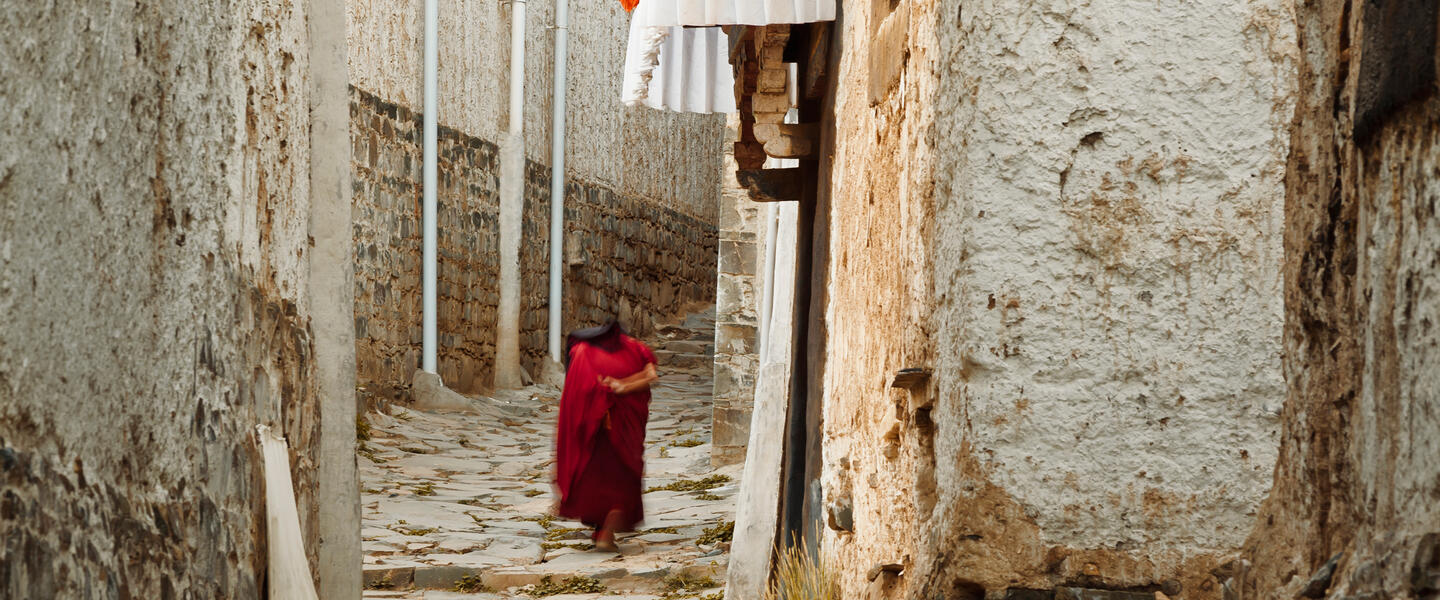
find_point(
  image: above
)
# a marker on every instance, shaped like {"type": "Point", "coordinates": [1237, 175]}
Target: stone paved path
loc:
{"type": "Point", "coordinates": [454, 504]}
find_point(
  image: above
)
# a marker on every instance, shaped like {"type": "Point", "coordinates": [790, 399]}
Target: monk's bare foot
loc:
{"type": "Point", "coordinates": [605, 542]}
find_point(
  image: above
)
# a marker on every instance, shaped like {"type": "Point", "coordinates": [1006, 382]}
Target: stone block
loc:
{"type": "Point", "coordinates": [431, 394]}
{"type": "Point", "coordinates": [722, 456]}
{"type": "Point", "coordinates": [737, 257]}
{"type": "Point", "coordinates": [730, 427]}
{"type": "Point", "coordinates": [771, 103]}
{"type": "Point", "coordinates": [735, 298]}
{"type": "Point", "coordinates": [1075, 593]}
{"type": "Point", "coordinates": [376, 576]}
{"type": "Point", "coordinates": [735, 339]}
{"type": "Point", "coordinates": [442, 578]}
{"type": "Point", "coordinates": [772, 79]}
{"type": "Point", "coordinates": [1024, 594]}
{"type": "Point", "coordinates": [733, 383]}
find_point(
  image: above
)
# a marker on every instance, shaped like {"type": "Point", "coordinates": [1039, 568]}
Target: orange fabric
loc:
{"type": "Point", "coordinates": [629, 4]}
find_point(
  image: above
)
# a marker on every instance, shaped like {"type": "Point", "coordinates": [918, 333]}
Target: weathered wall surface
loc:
{"type": "Point", "coordinates": [738, 294]}
{"type": "Point", "coordinates": [637, 152]}
{"type": "Point", "coordinates": [626, 168]}
{"type": "Point", "coordinates": [878, 291]}
{"type": "Point", "coordinates": [153, 277]}
{"type": "Point", "coordinates": [1360, 447]}
{"type": "Point", "coordinates": [628, 257]}
{"type": "Point", "coordinates": [1104, 275]}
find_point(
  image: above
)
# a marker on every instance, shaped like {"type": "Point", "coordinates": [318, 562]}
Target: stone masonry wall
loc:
{"type": "Point", "coordinates": [1359, 469]}
{"type": "Point", "coordinates": [154, 193]}
{"type": "Point", "coordinates": [738, 291]}
{"type": "Point", "coordinates": [627, 257]}
{"type": "Point", "coordinates": [1070, 214]}
{"type": "Point", "coordinates": [670, 158]}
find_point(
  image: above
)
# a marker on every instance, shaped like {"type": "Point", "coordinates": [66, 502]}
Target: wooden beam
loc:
{"type": "Point", "coordinates": [771, 185]}
{"type": "Point", "coordinates": [817, 62]}
{"type": "Point", "coordinates": [786, 140]}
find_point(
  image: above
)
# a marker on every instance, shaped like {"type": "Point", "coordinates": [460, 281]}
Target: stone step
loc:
{"type": "Point", "coordinates": [683, 361]}
{"type": "Point", "coordinates": [699, 321]}
{"type": "Point", "coordinates": [603, 567]}
{"type": "Point", "coordinates": [689, 347]}
{"type": "Point", "coordinates": [669, 333]}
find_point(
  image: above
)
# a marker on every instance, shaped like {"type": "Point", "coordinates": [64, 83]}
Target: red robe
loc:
{"type": "Point", "coordinates": [597, 469]}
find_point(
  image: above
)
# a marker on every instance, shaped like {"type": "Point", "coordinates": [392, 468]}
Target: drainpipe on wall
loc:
{"type": "Point", "coordinates": [512, 205]}
{"type": "Point", "coordinates": [428, 180]}
{"type": "Point", "coordinates": [557, 175]}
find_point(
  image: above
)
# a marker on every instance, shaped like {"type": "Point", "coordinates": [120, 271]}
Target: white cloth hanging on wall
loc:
{"type": "Point", "coordinates": [684, 69]}
{"type": "Point", "coordinates": [704, 13]}
{"type": "Point", "coordinates": [678, 58]}
{"type": "Point", "coordinates": [289, 569]}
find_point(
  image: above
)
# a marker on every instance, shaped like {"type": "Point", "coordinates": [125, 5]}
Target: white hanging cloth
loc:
{"type": "Point", "coordinates": [684, 69]}
{"type": "Point", "coordinates": [704, 13]}
{"type": "Point", "coordinates": [289, 568]}
{"type": "Point", "coordinates": [678, 58]}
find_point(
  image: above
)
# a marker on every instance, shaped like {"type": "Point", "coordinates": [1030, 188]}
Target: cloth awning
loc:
{"type": "Point", "coordinates": [684, 69]}
{"type": "Point", "coordinates": [705, 13]}
{"type": "Point", "coordinates": [678, 58]}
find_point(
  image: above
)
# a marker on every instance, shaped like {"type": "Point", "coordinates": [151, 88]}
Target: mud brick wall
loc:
{"type": "Point", "coordinates": [1092, 274]}
{"type": "Point", "coordinates": [154, 282]}
{"type": "Point", "coordinates": [1359, 457]}
{"type": "Point", "coordinates": [627, 257]}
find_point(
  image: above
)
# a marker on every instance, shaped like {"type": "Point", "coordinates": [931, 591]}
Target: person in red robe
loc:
{"type": "Point", "coordinates": [600, 435]}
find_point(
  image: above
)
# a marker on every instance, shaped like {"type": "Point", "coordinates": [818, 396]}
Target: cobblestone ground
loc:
{"type": "Point", "coordinates": [455, 505]}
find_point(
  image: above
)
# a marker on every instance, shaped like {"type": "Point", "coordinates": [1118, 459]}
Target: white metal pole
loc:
{"type": "Point", "coordinates": [429, 183]}
{"type": "Point", "coordinates": [512, 207]}
{"type": "Point", "coordinates": [557, 174]}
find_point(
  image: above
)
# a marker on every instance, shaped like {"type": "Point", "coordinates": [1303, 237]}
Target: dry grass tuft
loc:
{"type": "Point", "coordinates": [798, 576]}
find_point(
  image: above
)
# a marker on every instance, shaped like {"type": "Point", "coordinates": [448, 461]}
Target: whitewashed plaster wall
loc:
{"type": "Point", "coordinates": [1073, 214]}
{"type": "Point", "coordinates": [1108, 254]}
{"type": "Point", "coordinates": [155, 244]}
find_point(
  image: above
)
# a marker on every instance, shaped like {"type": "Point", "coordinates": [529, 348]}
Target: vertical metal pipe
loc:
{"type": "Point", "coordinates": [512, 208]}
{"type": "Point", "coordinates": [429, 178]}
{"type": "Point", "coordinates": [557, 175]}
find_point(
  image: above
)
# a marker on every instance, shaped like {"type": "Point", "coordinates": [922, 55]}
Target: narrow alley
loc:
{"type": "Point", "coordinates": [456, 505]}
{"type": "Point", "coordinates": [939, 300]}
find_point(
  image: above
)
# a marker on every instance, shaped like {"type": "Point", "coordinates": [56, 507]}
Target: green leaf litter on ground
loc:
{"type": "Point", "coordinates": [723, 532]}
{"type": "Point", "coordinates": [691, 485]}
{"type": "Point", "coordinates": [558, 545]}
{"type": "Point", "coordinates": [670, 530]}
{"type": "Point", "coordinates": [383, 584]}
{"type": "Point", "coordinates": [471, 584]}
{"type": "Point", "coordinates": [368, 452]}
{"type": "Point", "coordinates": [545, 521]}
{"type": "Point", "coordinates": [424, 489]}
{"type": "Point", "coordinates": [572, 585]}
{"type": "Point", "coordinates": [567, 533]}
{"type": "Point", "coordinates": [689, 443]}
{"type": "Point", "coordinates": [683, 582]}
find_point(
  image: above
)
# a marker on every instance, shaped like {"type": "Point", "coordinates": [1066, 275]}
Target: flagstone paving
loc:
{"type": "Point", "coordinates": [457, 502]}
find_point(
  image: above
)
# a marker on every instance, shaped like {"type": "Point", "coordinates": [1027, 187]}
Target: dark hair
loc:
{"type": "Point", "coordinates": [595, 335]}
